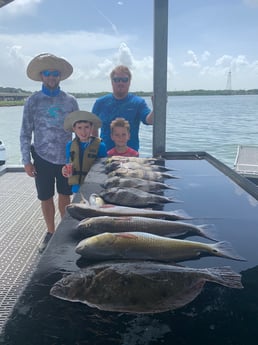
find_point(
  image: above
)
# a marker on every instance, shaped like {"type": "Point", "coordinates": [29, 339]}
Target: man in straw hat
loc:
{"type": "Point", "coordinates": [43, 120]}
{"type": "Point", "coordinates": [82, 152]}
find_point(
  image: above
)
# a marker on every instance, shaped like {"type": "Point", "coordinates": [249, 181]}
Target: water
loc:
{"type": "Point", "coordinates": [215, 124]}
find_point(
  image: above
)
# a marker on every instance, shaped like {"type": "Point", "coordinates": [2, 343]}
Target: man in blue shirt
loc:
{"type": "Point", "coordinates": [121, 103]}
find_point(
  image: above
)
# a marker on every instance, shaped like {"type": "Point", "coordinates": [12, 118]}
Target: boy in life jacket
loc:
{"type": "Point", "coordinates": [120, 134]}
{"type": "Point", "coordinates": [84, 149]}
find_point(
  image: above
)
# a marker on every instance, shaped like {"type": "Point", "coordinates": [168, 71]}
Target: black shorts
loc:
{"type": "Point", "coordinates": [48, 175]}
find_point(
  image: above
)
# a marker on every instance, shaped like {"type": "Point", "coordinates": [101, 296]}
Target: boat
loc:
{"type": "Point", "coordinates": [2, 153]}
{"type": "Point", "coordinates": [246, 162]}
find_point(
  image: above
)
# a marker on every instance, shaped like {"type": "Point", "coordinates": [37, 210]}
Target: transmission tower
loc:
{"type": "Point", "coordinates": [229, 86]}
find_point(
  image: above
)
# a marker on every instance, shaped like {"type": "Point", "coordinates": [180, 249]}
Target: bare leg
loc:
{"type": "Point", "coordinates": [48, 209]}
{"type": "Point", "coordinates": [63, 201]}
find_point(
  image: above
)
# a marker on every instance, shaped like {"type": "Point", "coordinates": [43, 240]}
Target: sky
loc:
{"type": "Point", "coordinates": [208, 40]}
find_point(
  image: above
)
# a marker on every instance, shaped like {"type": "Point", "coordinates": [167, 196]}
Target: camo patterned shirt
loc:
{"type": "Point", "coordinates": [42, 124]}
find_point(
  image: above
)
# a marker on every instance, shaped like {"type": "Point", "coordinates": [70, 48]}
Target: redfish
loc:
{"type": "Point", "coordinates": [146, 246]}
{"type": "Point", "coordinates": [97, 225]}
{"type": "Point", "coordinates": [80, 211]}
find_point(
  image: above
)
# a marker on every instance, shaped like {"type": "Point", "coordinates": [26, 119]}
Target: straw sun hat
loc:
{"type": "Point", "coordinates": [47, 61]}
{"type": "Point", "coordinates": [81, 115]}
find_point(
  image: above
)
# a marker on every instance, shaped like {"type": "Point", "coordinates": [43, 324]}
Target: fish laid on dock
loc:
{"type": "Point", "coordinates": [97, 225]}
{"type": "Point", "coordinates": [80, 211]}
{"type": "Point", "coordinates": [133, 197]}
{"type": "Point", "coordinates": [143, 174]}
{"type": "Point", "coordinates": [140, 287]}
{"type": "Point", "coordinates": [144, 185]}
{"type": "Point", "coordinates": [134, 166]}
{"type": "Point", "coordinates": [146, 246]}
{"type": "Point", "coordinates": [140, 160]}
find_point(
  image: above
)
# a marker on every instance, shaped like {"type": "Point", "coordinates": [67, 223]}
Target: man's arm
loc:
{"type": "Point", "coordinates": [150, 118]}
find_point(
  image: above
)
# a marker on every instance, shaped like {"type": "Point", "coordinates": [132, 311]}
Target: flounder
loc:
{"type": "Point", "coordinates": [140, 287]}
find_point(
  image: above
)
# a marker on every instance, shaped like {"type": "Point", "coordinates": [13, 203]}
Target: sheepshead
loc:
{"type": "Point", "coordinates": [141, 173]}
{"type": "Point", "coordinates": [80, 211]}
{"type": "Point", "coordinates": [146, 246]}
{"type": "Point", "coordinates": [134, 166]}
{"type": "Point", "coordinates": [132, 197]}
{"type": "Point", "coordinates": [144, 185]}
{"type": "Point", "coordinates": [140, 160]}
{"type": "Point", "coordinates": [140, 287]}
{"type": "Point", "coordinates": [97, 225]}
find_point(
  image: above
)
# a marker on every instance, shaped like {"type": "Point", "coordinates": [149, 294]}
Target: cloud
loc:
{"type": "Point", "coordinates": [194, 60]}
{"type": "Point", "coordinates": [224, 60]}
{"type": "Point", "coordinates": [205, 56]}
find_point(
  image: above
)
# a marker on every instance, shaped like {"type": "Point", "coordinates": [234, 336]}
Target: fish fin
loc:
{"type": "Point", "coordinates": [208, 231]}
{"type": "Point", "coordinates": [107, 206]}
{"type": "Point", "coordinates": [122, 219]}
{"type": "Point", "coordinates": [225, 249]}
{"type": "Point", "coordinates": [226, 276]}
{"type": "Point", "coordinates": [125, 235]}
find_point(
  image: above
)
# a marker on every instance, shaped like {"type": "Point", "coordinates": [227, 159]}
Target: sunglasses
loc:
{"type": "Point", "coordinates": [48, 73]}
{"type": "Point", "coordinates": [120, 79]}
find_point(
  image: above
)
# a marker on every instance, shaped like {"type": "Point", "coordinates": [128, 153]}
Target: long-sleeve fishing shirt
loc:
{"type": "Point", "coordinates": [43, 124]}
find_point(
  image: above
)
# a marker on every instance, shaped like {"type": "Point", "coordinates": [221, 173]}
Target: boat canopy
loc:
{"type": "Point", "coordinates": [5, 2]}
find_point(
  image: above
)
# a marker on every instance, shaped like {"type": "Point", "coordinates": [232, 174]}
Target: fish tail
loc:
{"type": "Point", "coordinates": [208, 231]}
{"type": "Point", "coordinates": [226, 276]}
{"type": "Point", "coordinates": [175, 200]}
{"type": "Point", "coordinates": [166, 186]}
{"type": "Point", "coordinates": [181, 214]}
{"type": "Point", "coordinates": [226, 250]}
{"type": "Point", "coordinates": [167, 175]}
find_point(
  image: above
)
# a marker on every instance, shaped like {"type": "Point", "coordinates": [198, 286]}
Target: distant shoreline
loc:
{"type": "Point", "coordinates": [6, 101]}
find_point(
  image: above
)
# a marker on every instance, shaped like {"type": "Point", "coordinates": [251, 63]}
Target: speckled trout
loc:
{"type": "Point", "coordinates": [80, 211]}
{"type": "Point", "coordinates": [146, 246]}
{"type": "Point", "coordinates": [97, 225]}
{"type": "Point", "coordinates": [140, 287]}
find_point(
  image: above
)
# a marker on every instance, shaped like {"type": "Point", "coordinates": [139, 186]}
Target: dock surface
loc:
{"type": "Point", "coordinates": [21, 231]}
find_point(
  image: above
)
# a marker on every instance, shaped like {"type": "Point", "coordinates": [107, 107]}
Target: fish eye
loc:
{"type": "Point", "coordinates": [65, 281]}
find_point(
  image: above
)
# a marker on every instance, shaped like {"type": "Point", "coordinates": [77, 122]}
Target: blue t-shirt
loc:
{"type": "Point", "coordinates": [132, 108]}
{"type": "Point", "coordinates": [102, 152]}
